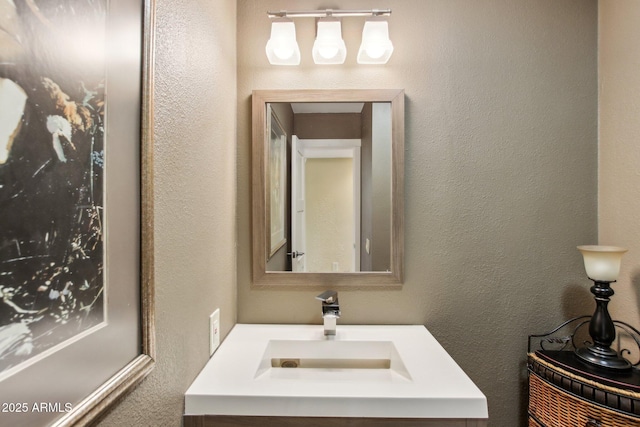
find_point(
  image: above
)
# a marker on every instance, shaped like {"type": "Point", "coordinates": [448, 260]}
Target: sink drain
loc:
{"type": "Point", "coordinates": [289, 363]}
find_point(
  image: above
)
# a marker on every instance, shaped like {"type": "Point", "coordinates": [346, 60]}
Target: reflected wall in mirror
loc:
{"type": "Point", "coordinates": [277, 182]}
{"type": "Point", "coordinates": [328, 177]}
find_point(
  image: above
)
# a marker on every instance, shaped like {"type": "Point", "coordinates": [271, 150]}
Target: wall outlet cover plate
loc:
{"type": "Point", "coordinates": [214, 331]}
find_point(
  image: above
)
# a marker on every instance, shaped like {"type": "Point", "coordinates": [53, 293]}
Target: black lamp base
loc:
{"type": "Point", "coordinates": [603, 357]}
{"type": "Point", "coordinates": [603, 332]}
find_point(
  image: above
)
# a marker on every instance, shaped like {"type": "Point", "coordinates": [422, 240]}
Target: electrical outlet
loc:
{"type": "Point", "coordinates": [214, 331]}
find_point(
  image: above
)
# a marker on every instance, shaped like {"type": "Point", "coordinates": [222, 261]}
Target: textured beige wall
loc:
{"type": "Point", "coordinates": [501, 160]}
{"type": "Point", "coordinates": [619, 136]}
{"type": "Point", "coordinates": [194, 201]}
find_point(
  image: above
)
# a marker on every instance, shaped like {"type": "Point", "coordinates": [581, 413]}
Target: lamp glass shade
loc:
{"type": "Point", "coordinates": [376, 47]}
{"type": "Point", "coordinates": [282, 48]}
{"type": "Point", "coordinates": [602, 263]}
{"type": "Point", "coordinates": [329, 47]}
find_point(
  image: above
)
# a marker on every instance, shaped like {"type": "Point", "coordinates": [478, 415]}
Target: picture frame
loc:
{"type": "Point", "coordinates": [78, 380]}
{"type": "Point", "coordinates": [277, 185]}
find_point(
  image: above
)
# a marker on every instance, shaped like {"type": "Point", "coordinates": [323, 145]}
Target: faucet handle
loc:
{"type": "Point", "coordinates": [329, 297]}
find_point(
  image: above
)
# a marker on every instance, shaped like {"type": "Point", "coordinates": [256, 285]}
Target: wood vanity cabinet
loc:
{"type": "Point", "coordinates": [564, 392]}
{"type": "Point", "coordinates": [251, 421]}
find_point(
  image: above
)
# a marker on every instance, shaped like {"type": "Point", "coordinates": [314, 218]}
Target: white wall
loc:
{"type": "Point", "coordinates": [619, 139]}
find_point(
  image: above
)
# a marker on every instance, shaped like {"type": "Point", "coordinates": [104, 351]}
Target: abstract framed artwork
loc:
{"type": "Point", "coordinates": [76, 207]}
{"type": "Point", "coordinates": [277, 191]}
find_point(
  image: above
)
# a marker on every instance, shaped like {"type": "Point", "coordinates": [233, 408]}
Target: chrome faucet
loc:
{"type": "Point", "coordinates": [330, 311]}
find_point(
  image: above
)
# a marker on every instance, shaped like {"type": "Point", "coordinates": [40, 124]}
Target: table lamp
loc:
{"type": "Point", "coordinates": [602, 264]}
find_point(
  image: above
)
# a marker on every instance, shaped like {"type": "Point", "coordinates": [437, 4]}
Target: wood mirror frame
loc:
{"type": "Point", "coordinates": [392, 278]}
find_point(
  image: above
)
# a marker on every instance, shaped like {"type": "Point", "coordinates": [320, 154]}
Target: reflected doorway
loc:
{"type": "Point", "coordinates": [326, 205]}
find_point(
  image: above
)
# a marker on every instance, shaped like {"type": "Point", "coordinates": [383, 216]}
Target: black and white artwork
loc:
{"type": "Point", "coordinates": [52, 145]}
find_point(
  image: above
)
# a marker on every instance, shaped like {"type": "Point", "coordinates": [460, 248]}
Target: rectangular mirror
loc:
{"type": "Point", "coordinates": [328, 178]}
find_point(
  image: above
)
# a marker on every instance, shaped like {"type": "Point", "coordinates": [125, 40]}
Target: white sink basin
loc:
{"type": "Point", "coordinates": [356, 360]}
{"type": "Point", "coordinates": [364, 371]}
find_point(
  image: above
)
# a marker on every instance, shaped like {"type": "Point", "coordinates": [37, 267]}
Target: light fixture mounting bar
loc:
{"type": "Point", "coordinates": [328, 13]}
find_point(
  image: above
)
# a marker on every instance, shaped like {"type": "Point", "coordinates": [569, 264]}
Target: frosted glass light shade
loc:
{"type": "Point", "coordinates": [282, 48]}
{"type": "Point", "coordinates": [376, 47]}
{"type": "Point", "coordinates": [602, 263]}
{"type": "Point", "coordinates": [329, 47]}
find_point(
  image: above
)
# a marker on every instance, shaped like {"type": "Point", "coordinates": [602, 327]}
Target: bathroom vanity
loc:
{"type": "Point", "coordinates": [365, 375]}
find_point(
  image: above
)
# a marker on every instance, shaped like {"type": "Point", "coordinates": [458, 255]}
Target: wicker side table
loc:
{"type": "Point", "coordinates": [563, 393]}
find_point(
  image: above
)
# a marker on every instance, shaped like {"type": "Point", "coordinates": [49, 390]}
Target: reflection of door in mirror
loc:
{"type": "Point", "coordinates": [298, 217]}
{"type": "Point", "coordinates": [331, 204]}
{"type": "Point", "coordinates": [338, 187]}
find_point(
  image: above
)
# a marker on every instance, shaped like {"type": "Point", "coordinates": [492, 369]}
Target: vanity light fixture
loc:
{"type": "Point", "coordinates": [329, 47]}
{"type": "Point", "coordinates": [282, 48]}
{"type": "Point", "coordinates": [602, 264]}
{"type": "Point", "coordinates": [376, 47]}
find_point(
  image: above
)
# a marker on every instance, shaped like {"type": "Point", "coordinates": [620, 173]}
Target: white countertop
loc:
{"type": "Point", "coordinates": [236, 380]}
